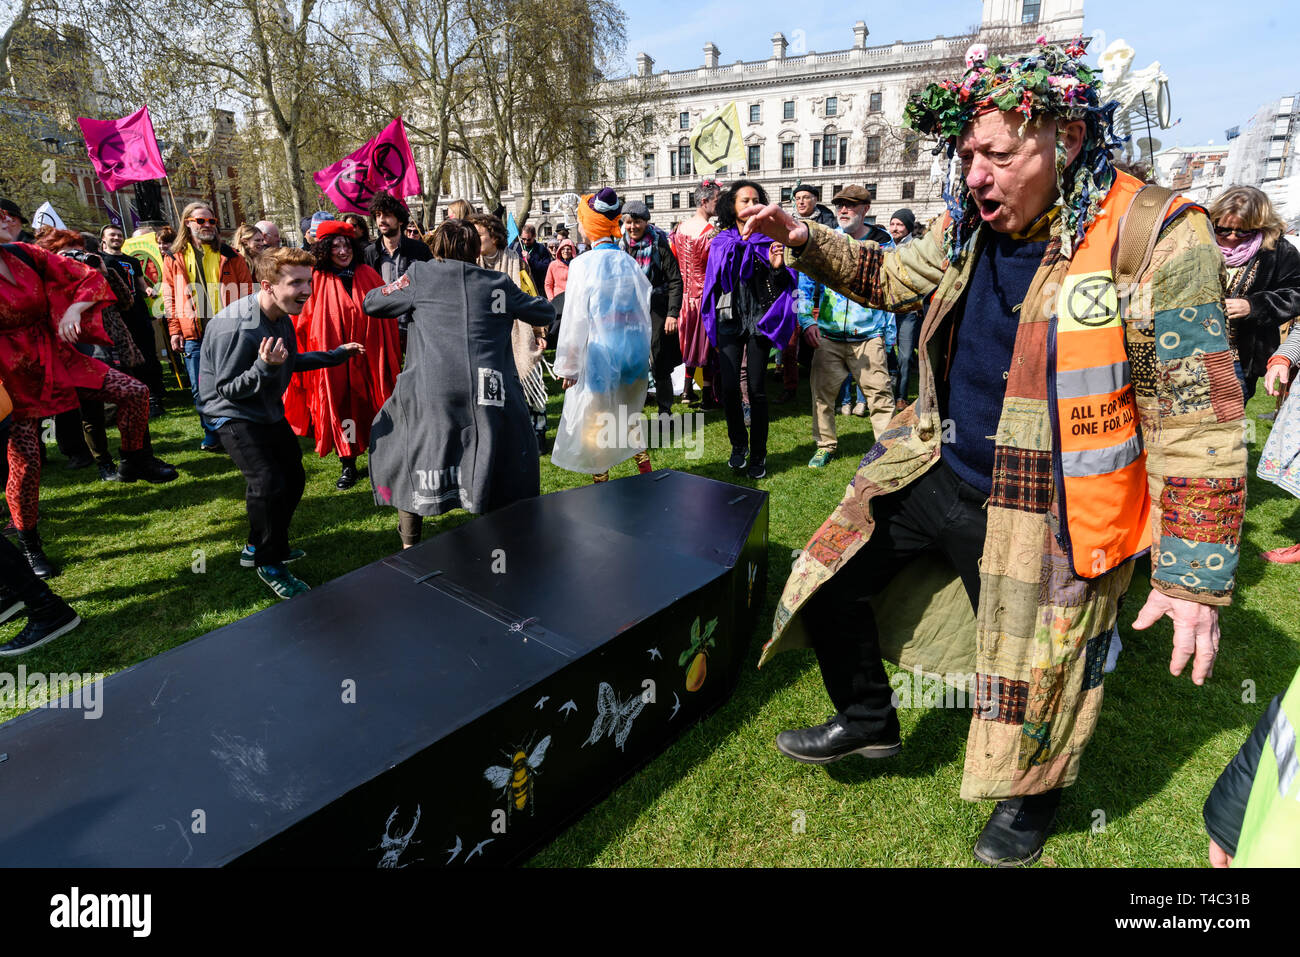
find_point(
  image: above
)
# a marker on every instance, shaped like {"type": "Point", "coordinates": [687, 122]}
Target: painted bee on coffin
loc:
{"type": "Point", "coordinates": [516, 782]}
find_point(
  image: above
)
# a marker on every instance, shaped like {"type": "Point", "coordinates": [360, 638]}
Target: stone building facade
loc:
{"type": "Point", "coordinates": [830, 119]}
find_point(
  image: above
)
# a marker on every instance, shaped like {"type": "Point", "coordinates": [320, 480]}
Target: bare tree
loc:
{"type": "Point", "coordinates": [409, 58]}
{"type": "Point", "coordinates": [259, 55]}
{"type": "Point", "coordinates": [548, 102]}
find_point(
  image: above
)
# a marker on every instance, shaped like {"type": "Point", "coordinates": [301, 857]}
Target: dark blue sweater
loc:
{"type": "Point", "coordinates": [981, 357]}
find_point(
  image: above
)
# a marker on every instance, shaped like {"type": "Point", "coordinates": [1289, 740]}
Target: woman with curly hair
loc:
{"type": "Point", "coordinates": [49, 303]}
{"type": "Point", "coordinates": [1263, 278]}
{"type": "Point", "coordinates": [338, 404]}
{"type": "Point", "coordinates": [124, 355]}
{"type": "Point", "coordinates": [747, 310]}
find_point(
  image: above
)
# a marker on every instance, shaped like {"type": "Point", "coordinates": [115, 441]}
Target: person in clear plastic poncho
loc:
{"type": "Point", "coordinates": [603, 354]}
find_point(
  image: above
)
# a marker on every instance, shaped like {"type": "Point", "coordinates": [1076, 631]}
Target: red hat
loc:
{"type": "Point", "coordinates": [335, 227]}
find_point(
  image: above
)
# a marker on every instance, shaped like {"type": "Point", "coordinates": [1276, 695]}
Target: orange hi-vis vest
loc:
{"type": "Point", "coordinates": [1099, 459]}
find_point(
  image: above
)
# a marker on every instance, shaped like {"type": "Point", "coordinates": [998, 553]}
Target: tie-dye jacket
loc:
{"type": "Point", "coordinates": [1038, 644]}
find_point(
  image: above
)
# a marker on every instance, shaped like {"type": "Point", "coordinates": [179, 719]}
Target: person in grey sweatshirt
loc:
{"type": "Point", "coordinates": [249, 353]}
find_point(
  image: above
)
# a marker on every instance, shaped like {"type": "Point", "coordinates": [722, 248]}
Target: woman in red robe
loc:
{"type": "Point", "coordinates": [47, 304]}
{"type": "Point", "coordinates": [338, 405]}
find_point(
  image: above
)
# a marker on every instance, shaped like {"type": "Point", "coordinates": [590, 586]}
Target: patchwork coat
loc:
{"type": "Point", "coordinates": [1037, 644]}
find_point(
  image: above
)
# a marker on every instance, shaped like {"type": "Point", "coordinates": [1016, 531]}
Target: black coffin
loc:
{"type": "Point", "coordinates": [457, 703]}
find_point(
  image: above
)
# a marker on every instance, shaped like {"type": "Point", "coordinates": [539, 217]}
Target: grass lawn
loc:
{"type": "Point", "coordinates": [149, 567]}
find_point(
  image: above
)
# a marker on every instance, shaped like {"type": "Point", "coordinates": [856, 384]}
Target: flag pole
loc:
{"type": "Point", "coordinates": [179, 224]}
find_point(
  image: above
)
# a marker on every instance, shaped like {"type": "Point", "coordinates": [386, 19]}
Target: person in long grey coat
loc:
{"type": "Point", "coordinates": [456, 432]}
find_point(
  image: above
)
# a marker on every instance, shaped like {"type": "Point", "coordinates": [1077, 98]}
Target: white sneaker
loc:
{"type": "Point", "coordinates": [860, 410]}
{"type": "Point", "coordinates": [845, 409]}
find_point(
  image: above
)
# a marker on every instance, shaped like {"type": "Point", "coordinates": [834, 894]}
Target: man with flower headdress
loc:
{"type": "Point", "coordinates": [603, 356]}
{"type": "Point", "coordinates": [1064, 427]}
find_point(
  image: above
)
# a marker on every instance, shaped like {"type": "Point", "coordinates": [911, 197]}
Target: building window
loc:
{"type": "Point", "coordinates": [832, 105]}
{"type": "Point", "coordinates": [844, 151]}
{"type": "Point", "coordinates": [873, 149]}
{"type": "Point", "coordinates": [911, 147]}
{"type": "Point", "coordinates": [684, 160]}
{"type": "Point", "coordinates": [755, 112]}
{"type": "Point", "coordinates": [672, 162]}
{"type": "Point", "coordinates": [649, 199]}
{"type": "Point", "coordinates": [649, 165]}
{"type": "Point", "coordinates": [755, 155]}
{"type": "Point", "coordinates": [1029, 12]}
{"type": "Point", "coordinates": [676, 201]}
{"type": "Point", "coordinates": [546, 230]}
{"type": "Point", "coordinates": [648, 124]}
{"type": "Point", "coordinates": [546, 206]}
{"type": "Point", "coordinates": [683, 121]}
{"type": "Point", "coordinates": [690, 199]}
{"type": "Point", "coordinates": [874, 103]}
{"type": "Point", "coordinates": [828, 149]}
{"type": "Point", "coordinates": [909, 189]}
{"type": "Point", "coordinates": [787, 110]}
{"type": "Point", "coordinates": [787, 156]}
{"type": "Point", "coordinates": [620, 168]}
{"type": "Point", "coordinates": [871, 190]}
{"type": "Point", "coordinates": [787, 193]}
{"type": "Point", "coordinates": [817, 153]}
{"type": "Point", "coordinates": [837, 189]}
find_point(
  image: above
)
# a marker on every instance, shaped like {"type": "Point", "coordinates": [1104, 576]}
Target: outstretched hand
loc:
{"type": "Point", "coordinates": [353, 348]}
{"type": "Point", "coordinates": [1196, 632]}
{"type": "Point", "coordinates": [775, 223]}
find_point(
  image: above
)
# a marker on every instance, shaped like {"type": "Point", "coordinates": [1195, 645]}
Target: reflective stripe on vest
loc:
{"type": "Point", "coordinates": [1100, 463]}
{"type": "Point", "coordinates": [1270, 828]}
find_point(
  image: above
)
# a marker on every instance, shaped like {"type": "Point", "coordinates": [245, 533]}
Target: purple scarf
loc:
{"type": "Point", "coordinates": [731, 262]}
{"type": "Point", "coordinates": [1243, 253]}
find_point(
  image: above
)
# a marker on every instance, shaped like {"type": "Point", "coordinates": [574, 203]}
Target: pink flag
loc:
{"type": "Point", "coordinates": [123, 151]}
{"type": "Point", "coordinates": [386, 162]}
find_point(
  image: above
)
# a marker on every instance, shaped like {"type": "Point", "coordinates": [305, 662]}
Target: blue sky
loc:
{"type": "Point", "coordinates": [1221, 69]}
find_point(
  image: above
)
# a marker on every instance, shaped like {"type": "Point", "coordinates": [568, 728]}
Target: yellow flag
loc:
{"type": "Point", "coordinates": [718, 142]}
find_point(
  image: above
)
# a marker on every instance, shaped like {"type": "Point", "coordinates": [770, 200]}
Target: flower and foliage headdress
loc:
{"type": "Point", "coordinates": [1048, 82]}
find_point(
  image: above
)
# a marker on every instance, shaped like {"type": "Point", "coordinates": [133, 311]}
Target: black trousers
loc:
{"type": "Point", "coordinates": [665, 356]}
{"type": "Point", "coordinates": [271, 460]}
{"type": "Point", "coordinates": [731, 346]}
{"type": "Point", "coordinates": [938, 512]}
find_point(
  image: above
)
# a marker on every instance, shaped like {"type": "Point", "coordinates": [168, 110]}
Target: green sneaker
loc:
{"type": "Point", "coordinates": [279, 580]}
{"type": "Point", "coordinates": [821, 459]}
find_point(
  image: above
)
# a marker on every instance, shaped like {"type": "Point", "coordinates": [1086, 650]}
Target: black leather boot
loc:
{"type": "Point", "coordinates": [1017, 829]}
{"type": "Point", "coordinates": [29, 542]}
{"type": "Point", "coordinates": [141, 464]}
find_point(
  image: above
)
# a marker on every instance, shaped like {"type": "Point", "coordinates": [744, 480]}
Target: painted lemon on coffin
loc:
{"type": "Point", "coordinates": [697, 653]}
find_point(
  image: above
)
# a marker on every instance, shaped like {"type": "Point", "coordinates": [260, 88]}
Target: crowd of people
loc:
{"type": "Point", "coordinates": [428, 353]}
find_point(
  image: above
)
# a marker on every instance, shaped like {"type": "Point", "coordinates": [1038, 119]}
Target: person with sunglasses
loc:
{"type": "Point", "coordinates": [201, 276]}
{"type": "Point", "coordinates": [1263, 288]}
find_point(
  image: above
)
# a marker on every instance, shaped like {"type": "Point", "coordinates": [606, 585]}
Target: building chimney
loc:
{"type": "Point", "coordinates": [645, 64]}
{"type": "Point", "coordinates": [711, 52]}
{"type": "Point", "coordinates": [778, 46]}
{"type": "Point", "coordinates": [860, 32]}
